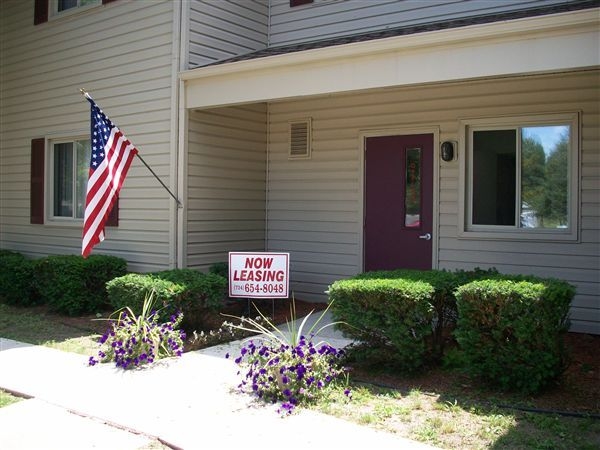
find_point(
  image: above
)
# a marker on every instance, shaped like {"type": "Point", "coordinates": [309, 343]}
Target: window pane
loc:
{"type": "Point", "coordinates": [63, 180]}
{"type": "Point", "coordinates": [412, 192]}
{"type": "Point", "coordinates": [66, 4]}
{"type": "Point", "coordinates": [83, 164]}
{"type": "Point", "coordinates": [494, 177]}
{"type": "Point", "coordinates": [544, 176]}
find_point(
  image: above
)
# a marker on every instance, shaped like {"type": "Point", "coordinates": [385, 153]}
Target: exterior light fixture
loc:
{"type": "Point", "coordinates": [447, 152]}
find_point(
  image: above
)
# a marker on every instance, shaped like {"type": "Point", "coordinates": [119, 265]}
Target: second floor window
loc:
{"type": "Point", "coordinates": [62, 6]}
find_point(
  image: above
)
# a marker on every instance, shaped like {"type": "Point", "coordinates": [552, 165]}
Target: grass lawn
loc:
{"type": "Point", "coordinates": [446, 412]}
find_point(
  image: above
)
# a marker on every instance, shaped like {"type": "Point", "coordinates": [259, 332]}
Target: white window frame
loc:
{"type": "Point", "coordinates": [466, 227]}
{"type": "Point", "coordinates": [50, 185]}
{"type": "Point", "coordinates": [55, 13]}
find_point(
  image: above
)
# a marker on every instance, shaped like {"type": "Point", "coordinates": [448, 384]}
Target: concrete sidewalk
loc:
{"type": "Point", "coordinates": [189, 402]}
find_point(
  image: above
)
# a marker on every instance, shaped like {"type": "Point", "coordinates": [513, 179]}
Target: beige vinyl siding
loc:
{"type": "Point", "coordinates": [315, 205]}
{"type": "Point", "coordinates": [221, 29]}
{"type": "Point", "coordinates": [121, 54]}
{"type": "Point", "coordinates": [324, 19]}
{"type": "Point", "coordinates": [226, 183]}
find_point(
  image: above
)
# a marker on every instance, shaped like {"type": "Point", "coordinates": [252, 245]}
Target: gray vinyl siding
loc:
{"type": "Point", "coordinates": [324, 19]}
{"type": "Point", "coordinates": [314, 206]}
{"type": "Point", "coordinates": [121, 54]}
{"type": "Point", "coordinates": [221, 29]}
{"type": "Point", "coordinates": [226, 183]}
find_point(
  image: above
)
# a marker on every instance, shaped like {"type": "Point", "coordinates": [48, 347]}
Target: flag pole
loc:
{"type": "Point", "coordinates": [179, 205]}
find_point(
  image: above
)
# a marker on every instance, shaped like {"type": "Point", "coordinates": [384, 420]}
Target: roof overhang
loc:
{"type": "Point", "coordinates": [550, 43]}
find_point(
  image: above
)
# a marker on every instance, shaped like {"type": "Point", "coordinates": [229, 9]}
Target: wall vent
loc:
{"type": "Point", "coordinates": [300, 137]}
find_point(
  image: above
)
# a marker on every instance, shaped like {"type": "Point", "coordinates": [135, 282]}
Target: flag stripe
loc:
{"type": "Point", "coordinates": [112, 154]}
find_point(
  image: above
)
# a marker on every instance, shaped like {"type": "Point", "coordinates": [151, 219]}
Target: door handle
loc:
{"type": "Point", "coordinates": [426, 236]}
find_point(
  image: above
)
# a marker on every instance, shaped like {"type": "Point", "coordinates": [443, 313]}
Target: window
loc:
{"type": "Point", "coordinates": [62, 6]}
{"type": "Point", "coordinates": [58, 182]}
{"type": "Point", "coordinates": [45, 8]}
{"type": "Point", "coordinates": [522, 176]}
{"type": "Point", "coordinates": [294, 3]}
{"type": "Point", "coordinates": [70, 166]}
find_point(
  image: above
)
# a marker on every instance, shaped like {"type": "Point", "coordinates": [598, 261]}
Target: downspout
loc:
{"type": "Point", "coordinates": [181, 125]}
{"type": "Point", "coordinates": [175, 211]}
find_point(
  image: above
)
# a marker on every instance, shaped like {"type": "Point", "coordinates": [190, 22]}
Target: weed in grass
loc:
{"type": "Point", "coordinates": [416, 402]}
{"type": "Point", "coordinates": [384, 410]}
{"type": "Point", "coordinates": [403, 411]}
{"type": "Point", "coordinates": [7, 398]}
{"type": "Point", "coordinates": [448, 427]}
{"type": "Point", "coordinates": [367, 419]}
{"type": "Point", "coordinates": [427, 433]}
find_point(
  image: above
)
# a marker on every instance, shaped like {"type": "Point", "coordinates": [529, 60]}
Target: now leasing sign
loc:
{"type": "Point", "coordinates": [259, 275]}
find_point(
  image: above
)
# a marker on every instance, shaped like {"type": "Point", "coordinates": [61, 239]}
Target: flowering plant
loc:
{"type": "Point", "coordinates": [288, 367]}
{"type": "Point", "coordinates": [135, 340]}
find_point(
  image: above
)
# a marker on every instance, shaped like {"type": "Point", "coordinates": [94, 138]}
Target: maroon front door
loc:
{"type": "Point", "coordinates": [398, 222]}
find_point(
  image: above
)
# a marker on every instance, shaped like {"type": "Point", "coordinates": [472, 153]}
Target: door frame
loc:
{"type": "Point", "coordinates": [399, 131]}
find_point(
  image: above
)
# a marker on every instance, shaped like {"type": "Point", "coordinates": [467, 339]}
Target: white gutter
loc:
{"type": "Point", "coordinates": [545, 43]}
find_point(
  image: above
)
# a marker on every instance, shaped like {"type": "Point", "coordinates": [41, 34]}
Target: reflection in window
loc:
{"type": "Point", "coordinates": [412, 192]}
{"type": "Point", "coordinates": [520, 177]}
{"type": "Point", "coordinates": [544, 177]}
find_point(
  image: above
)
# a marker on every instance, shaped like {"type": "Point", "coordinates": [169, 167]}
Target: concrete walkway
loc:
{"type": "Point", "coordinates": [189, 402]}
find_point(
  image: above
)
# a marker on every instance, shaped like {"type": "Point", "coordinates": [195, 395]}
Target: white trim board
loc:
{"type": "Point", "coordinates": [565, 41]}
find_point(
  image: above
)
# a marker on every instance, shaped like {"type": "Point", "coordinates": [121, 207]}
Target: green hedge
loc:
{"type": "Point", "coordinates": [186, 290]}
{"type": "Point", "coordinates": [130, 291]}
{"type": "Point", "coordinates": [391, 317]}
{"type": "Point", "coordinates": [509, 327]}
{"type": "Point", "coordinates": [16, 279]}
{"type": "Point", "coordinates": [443, 301]}
{"type": "Point", "coordinates": [74, 285]}
{"type": "Point", "coordinates": [511, 330]}
{"type": "Point", "coordinates": [220, 268]}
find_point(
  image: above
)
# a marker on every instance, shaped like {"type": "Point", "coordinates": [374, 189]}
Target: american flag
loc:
{"type": "Point", "coordinates": [112, 154]}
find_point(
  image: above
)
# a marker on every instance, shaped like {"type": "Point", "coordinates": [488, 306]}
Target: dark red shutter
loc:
{"type": "Point", "coordinates": [40, 12]}
{"type": "Point", "coordinates": [299, 2]}
{"type": "Point", "coordinates": [36, 202]}
{"type": "Point", "coordinates": [104, 2]}
{"type": "Point", "coordinates": [113, 217]}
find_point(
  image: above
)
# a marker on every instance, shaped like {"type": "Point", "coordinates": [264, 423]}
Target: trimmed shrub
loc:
{"type": "Point", "coordinates": [443, 301]}
{"type": "Point", "coordinates": [131, 290]}
{"type": "Point", "coordinates": [511, 330]}
{"type": "Point", "coordinates": [220, 268]}
{"type": "Point", "coordinates": [178, 290]}
{"type": "Point", "coordinates": [391, 317]}
{"type": "Point", "coordinates": [73, 285]}
{"type": "Point", "coordinates": [16, 279]}
{"type": "Point", "coordinates": [206, 291]}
